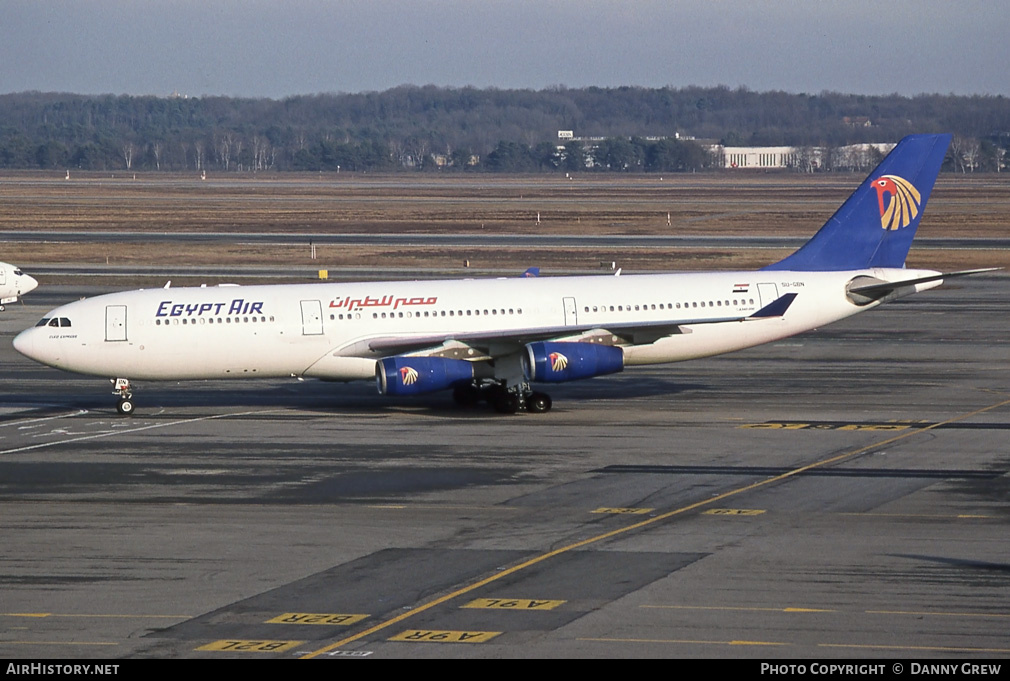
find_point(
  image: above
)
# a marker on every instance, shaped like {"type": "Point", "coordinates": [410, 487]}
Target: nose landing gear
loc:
{"type": "Point", "coordinates": [125, 395]}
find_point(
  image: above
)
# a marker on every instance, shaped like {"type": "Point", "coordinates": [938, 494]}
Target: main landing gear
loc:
{"type": "Point", "coordinates": [125, 395]}
{"type": "Point", "coordinates": [505, 399]}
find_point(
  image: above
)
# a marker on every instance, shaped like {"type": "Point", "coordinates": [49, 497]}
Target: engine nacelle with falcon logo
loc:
{"type": "Point", "coordinates": [419, 375]}
{"type": "Point", "coordinates": [556, 362]}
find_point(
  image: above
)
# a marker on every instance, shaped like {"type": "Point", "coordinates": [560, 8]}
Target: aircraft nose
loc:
{"type": "Point", "coordinates": [25, 344]}
{"type": "Point", "coordinates": [28, 284]}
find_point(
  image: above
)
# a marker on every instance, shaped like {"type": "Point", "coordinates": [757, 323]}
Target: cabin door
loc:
{"type": "Point", "coordinates": [571, 313]}
{"type": "Point", "coordinates": [767, 293]}
{"type": "Point", "coordinates": [312, 318]}
{"type": "Point", "coordinates": [115, 322]}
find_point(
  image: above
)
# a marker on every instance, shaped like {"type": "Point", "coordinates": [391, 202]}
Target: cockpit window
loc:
{"type": "Point", "coordinates": [18, 273]}
{"type": "Point", "coordinates": [43, 321]}
{"type": "Point", "coordinates": [64, 322]}
{"type": "Point", "coordinates": [55, 321]}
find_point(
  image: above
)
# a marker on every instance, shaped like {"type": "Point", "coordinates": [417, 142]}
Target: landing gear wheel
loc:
{"type": "Point", "coordinates": [125, 395]}
{"type": "Point", "coordinates": [538, 403]}
{"type": "Point", "coordinates": [506, 403]}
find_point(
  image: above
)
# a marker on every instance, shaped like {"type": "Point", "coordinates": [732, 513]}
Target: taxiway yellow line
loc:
{"type": "Point", "coordinates": [637, 526]}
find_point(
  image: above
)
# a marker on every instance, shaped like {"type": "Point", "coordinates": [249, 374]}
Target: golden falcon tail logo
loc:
{"type": "Point", "coordinates": [408, 375]}
{"type": "Point", "coordinates": [904, 203]}
{"type": "Point", "coordinates": [558, 361]}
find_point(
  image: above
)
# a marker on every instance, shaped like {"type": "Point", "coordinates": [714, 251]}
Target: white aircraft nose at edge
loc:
{"type": "Point", "coordinates": [14, 283]}
{"type": "Point", "coordinates": [494, 339]}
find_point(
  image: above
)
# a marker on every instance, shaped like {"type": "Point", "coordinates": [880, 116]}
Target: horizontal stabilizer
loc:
{"type": "Point", "coordinates": [879, 290]}
{"type": "Point", "coordinates": [776, 308]}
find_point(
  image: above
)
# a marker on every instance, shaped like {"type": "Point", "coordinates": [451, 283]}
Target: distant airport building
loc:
{"type": "Point", "coordinates": [758, 157]}
{"type": "Point", "coordinates": [806, 159]}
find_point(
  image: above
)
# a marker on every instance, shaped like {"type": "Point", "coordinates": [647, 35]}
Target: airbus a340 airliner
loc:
{"type": "Point", "coordinates": [494, 339]}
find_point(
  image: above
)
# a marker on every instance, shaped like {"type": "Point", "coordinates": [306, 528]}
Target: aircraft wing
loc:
{"type": "Point", "coordinates": [487, 344]}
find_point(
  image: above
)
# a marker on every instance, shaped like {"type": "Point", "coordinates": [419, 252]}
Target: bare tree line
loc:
{"type": "Point", "coordinates": [425, 128]}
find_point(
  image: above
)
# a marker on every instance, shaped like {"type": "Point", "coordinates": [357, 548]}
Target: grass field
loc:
{"type": "Point", "coordinates": [725, 204]}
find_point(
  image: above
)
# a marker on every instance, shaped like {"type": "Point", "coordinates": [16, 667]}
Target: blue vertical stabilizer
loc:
{"type": "Point", "coordinates": [876, 225]}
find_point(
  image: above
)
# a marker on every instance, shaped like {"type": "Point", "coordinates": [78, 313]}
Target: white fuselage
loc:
{"type": "Point", "coordinates": [338, 331]}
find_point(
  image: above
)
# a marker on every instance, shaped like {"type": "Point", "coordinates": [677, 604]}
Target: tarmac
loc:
{"type": "Point", "coordinates": [841, 494]}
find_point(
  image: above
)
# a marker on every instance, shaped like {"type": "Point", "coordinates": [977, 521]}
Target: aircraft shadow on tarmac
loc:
{"type": "Point", "coordinates": [318, 396]}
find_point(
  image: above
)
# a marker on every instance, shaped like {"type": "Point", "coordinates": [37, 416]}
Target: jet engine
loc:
{"type": "Point", "coordinates": [555, 362]}
{"type": "Point", "coordinates": [418, 375]}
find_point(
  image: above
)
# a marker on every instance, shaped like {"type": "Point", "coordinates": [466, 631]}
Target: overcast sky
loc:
{"type": "Point", "coordinates": [276, 48]}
